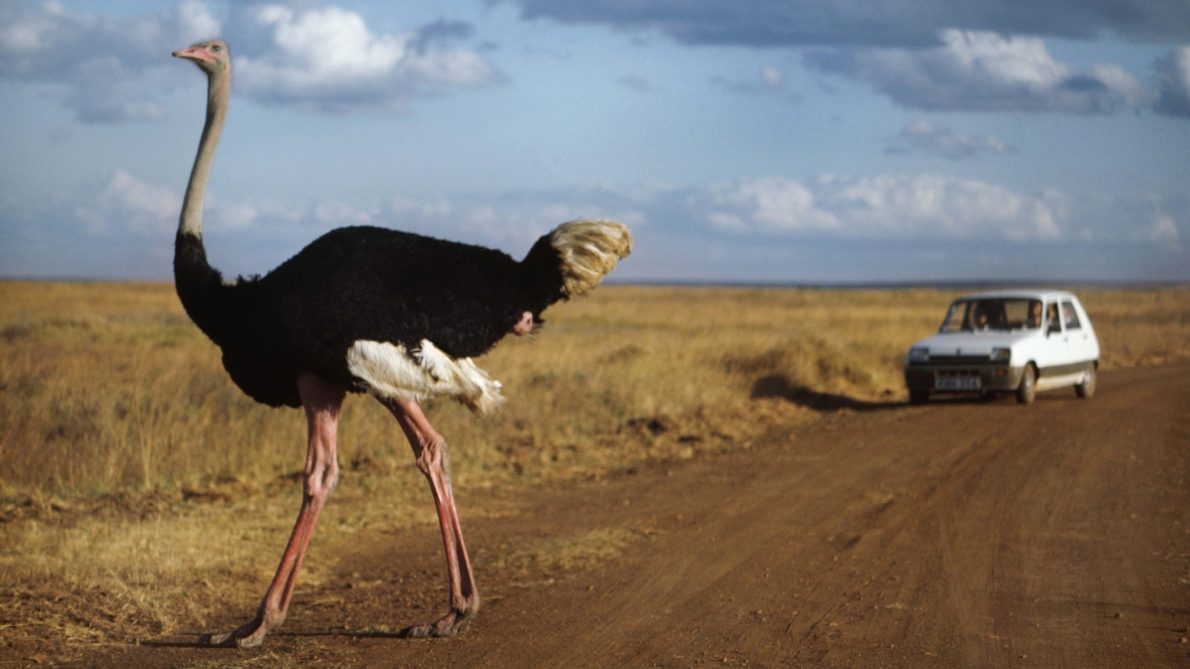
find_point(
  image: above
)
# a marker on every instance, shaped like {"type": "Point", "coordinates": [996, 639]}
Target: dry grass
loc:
{"type": "Point", "coordinates": [109, 387]}
{"type": "Point", "coordinates": [126, 453]}
{"type": "Point", "coordinates": [1140, 328]}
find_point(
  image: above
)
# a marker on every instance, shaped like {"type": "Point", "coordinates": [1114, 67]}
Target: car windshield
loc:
{"type": "Point", "coordinates": [998, 313]}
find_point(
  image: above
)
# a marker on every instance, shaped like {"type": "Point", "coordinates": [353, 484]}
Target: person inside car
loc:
{"type": "Point", "coordinates": [1051, 318]}
{"type": "Point", "coordinates": [979, 320]}
{"type": "Point", "coordinates": [1034, 314]}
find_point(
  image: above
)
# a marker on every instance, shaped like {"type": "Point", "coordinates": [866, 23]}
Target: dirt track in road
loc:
{"type": "Point", "coordinates": [956, 534]}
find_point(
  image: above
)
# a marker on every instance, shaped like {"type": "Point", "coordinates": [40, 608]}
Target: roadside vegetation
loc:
{"type": "Point", "coordinates": [141, 491]}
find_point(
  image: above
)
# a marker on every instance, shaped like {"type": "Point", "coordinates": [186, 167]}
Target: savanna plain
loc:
{"type": "Point", "coordinates": [144, 497]}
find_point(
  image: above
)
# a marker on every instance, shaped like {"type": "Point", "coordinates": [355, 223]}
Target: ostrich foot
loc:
{"type": "Point", "coordinates": [455, 622]}
{"type": "Point", "coordinates": [248, 635]}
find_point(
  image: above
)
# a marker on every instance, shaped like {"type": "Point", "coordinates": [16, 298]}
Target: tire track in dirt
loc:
{"type": "Point", "coordinates": [955, 534]}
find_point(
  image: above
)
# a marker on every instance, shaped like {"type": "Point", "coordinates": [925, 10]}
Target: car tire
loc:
{"type": "Point", "coordinates": [919, 397]}
{"type": "Point", "coordinates": [1087, 388]}
{"type": "Point", "coordinates": [1028, 388]}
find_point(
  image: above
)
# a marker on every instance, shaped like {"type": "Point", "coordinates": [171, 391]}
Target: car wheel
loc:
{"type": "Point", "coordinates": [918, 397]}
{"type": "Point", "coordinates": [1028, 388]}
{"type": "Point", "coordinates": [1087, 387]}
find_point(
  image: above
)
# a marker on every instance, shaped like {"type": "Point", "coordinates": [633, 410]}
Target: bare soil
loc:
{"type": "Point", "coordinates": [961, 533]}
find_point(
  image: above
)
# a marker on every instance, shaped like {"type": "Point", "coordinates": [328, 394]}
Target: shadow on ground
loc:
{"type": "Point", "coordinates": [779, 385]}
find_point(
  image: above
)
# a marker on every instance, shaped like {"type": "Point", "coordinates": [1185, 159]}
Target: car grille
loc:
{"type": "Point", "coordinates": [958, 359]}
{"type": "Point", "coordinates": [957, 372]}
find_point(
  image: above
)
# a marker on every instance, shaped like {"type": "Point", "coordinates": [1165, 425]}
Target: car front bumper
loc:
{"type": "Point", "coordinates": [992, 376]}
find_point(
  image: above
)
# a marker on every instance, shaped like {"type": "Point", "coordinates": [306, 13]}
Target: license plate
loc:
{"type": "Point", "coordinates": [957, 383]}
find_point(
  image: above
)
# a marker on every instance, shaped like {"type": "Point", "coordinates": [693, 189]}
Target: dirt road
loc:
{"type": "Point", "coordinates": [959, 534]}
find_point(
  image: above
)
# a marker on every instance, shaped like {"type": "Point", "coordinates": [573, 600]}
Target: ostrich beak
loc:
{"type": "Point", "coordinates": [195, 53]}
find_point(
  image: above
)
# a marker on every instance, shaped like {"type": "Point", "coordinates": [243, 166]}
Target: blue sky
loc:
{"type": "Point", "coordinates": [811, 141]}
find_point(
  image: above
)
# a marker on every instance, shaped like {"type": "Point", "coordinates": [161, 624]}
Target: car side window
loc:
{"type": "Point", "coordinates": [1052, 324]}
{"type": "Point", "coordinates": [1070, 316]}
{"type": "Point", "coordinates": [955, 318]}
{"type": "Point", "coordinates": [1033, 319]}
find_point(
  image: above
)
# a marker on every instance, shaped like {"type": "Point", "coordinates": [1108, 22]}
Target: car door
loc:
{"type": "Point", "coordinates": [1054, 350]}
{"type": "Point", "coordinates": [1066, 347]}
{"type": "Point", "coordinates": [1078, 338]}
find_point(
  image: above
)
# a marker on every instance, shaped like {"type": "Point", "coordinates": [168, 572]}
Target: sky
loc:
{"type": "Point", "coordinates": [804, 141]}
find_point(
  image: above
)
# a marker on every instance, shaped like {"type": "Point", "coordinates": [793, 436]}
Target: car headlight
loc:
{"type": "Point", "coordinates": [1001, 354]}
{"type": "Point", "coordinates": [919, 354]}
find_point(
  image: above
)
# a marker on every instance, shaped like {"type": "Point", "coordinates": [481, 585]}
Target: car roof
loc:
{"type": "Point", "coordinates": [1027, 293]}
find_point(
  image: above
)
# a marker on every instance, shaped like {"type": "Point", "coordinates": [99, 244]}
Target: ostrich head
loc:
{"type": "Point", "coordinates": [213, 56]}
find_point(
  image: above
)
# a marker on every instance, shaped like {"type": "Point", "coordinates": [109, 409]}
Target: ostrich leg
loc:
{"type": "Point", "coordinates": [322, 401]}
{"type": "Point", "coordinates": [432, 459]}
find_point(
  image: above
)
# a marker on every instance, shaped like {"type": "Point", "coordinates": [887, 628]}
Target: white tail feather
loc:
{"type": "Point", "coordinates": [389, 370]}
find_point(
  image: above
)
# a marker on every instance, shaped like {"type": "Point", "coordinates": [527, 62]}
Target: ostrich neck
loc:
{"type": "Point", "coordinates": [218, 92]}
{"type": "Point", "coordinates": [199, 286]}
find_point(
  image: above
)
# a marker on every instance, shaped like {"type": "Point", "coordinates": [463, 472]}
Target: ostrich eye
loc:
{"type": "Point", "coordinates": [216, 49]}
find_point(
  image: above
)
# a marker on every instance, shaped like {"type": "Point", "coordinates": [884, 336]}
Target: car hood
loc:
{"type": "Point", "coordinates": [975, 343]}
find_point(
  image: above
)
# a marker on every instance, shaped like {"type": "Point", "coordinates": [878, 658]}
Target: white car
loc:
{"type": "Point", "coordinates": [1017, 341]}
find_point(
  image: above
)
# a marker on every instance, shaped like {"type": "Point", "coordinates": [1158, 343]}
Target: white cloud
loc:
{"type": "Point", "coordinates": [635, 82]}
{"type": "Point", "coordinates": [107, 69]}
{"type": "Point", "coordinates": [774, 76]}
{"type": "Point", "coordinates": [892, 206]}
{"type": "Point", "coordinates": [236, 216]}
{"type": "Point", "coordinates": [879, 207]}
{"type": "Point", "coordinates": [926, 205]}
{"type": "Point", "coordinates": [772, 80]}
{"type": "Point", "coordinates": [746, 228]}
{"type": "Point", "coordinates": [138, 206]}
{"type": "Point", "coordinates": [1173, 82]}
{"type": "Point", "coordinates": [765, 23]}
{"type": "Point", "coordinates": [341, 213]}
{"type": "Point", "coordinates": [1164, 230]}
{"type": "Point", "coordinates": [111, 69]}
{"type": "Point", "coordinates": [982, 71]}
{"type": "Point", "coordinates": [196, 21]}
{"type": "Point", "coordinates": [939, 139]}
{"type": "Point", "coordinates": [127, 204]}
{"type": "Point", "coordinates": [1123, 83]}
{"type": "Point", "coordinates": [328, 59]}
{"type": "Point", "coordinates": [514, 221]}
{"type": "Point", "coordinates": [770, 204]}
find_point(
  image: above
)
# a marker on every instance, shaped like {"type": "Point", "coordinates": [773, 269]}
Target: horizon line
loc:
{"type": "Point", "coordinates": [747, 283]}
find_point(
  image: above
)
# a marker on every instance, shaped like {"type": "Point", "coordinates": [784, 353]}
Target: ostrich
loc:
{"type": "Point", "coordinates": [366, 309]}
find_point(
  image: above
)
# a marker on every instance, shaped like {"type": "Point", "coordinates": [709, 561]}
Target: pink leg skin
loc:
{"type": "Point", "coordinates": [430, 450]}
{"type": "Point", "coordinates": [322, 401]}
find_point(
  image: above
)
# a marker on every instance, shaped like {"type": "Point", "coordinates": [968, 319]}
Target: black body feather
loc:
{"type": "Point", "coordinates": [358, 283]}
